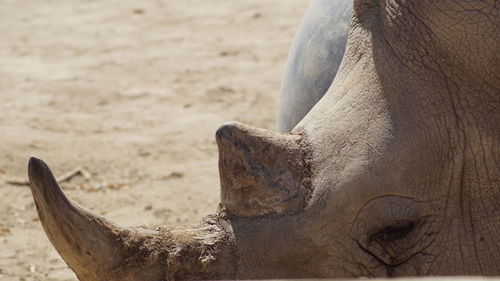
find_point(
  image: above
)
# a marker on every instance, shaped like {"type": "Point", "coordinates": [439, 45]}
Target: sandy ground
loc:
{"type": "Point", "coordinates": [132, 92]}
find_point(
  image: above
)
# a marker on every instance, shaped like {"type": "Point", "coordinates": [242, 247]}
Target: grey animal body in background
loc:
{"type": "Point", "coordinates": [395, 171]}
{"type": "Point", "coordinates": [314, 59]}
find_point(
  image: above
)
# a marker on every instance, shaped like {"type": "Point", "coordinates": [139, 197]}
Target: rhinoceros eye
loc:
{"type": "Point", "coordinates": [394, 231]}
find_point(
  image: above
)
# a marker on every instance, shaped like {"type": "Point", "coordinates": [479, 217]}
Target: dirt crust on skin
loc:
{"type": "Point", "coordinates": [129, 93]}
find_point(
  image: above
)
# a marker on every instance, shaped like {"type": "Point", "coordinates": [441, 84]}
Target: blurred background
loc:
{"type": "Point", "coordinates": [129, 94]}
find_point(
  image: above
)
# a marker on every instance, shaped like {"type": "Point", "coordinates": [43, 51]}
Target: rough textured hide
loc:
{"type": "Point", "coordinates": [393, 173]}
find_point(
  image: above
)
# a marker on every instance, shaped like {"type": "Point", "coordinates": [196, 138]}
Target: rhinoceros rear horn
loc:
{"type": "Point", "coordinates": [262, 172]}
{"type": "Point", "coordinates": [88, 243]}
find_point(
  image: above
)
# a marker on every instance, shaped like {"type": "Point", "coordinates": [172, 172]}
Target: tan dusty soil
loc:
{"type": "Point", "coordinates": [132, 92]}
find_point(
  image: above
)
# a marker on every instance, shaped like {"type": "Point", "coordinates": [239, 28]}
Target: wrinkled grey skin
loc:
{"type": "Point", "coordinates": [394, 172]}
{"type": "Point", "coordinates": [314, 59]}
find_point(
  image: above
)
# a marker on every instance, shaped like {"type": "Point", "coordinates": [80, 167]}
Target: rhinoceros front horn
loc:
{"type": "Point", "coordinates": [262, 172]}
{"type": "Point", "coordinates": [88, 243]}
{"type": "Point", "coordinates": [98, 250]}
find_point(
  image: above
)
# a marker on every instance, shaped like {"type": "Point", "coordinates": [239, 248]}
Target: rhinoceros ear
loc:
{"type": "Point", "coordinates": [262, 172]}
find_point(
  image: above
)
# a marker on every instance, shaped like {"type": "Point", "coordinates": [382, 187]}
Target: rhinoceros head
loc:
{"type": "Point", "coordinates": [394, 172]}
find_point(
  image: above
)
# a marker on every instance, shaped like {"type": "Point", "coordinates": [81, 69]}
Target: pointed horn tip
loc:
{"type": "Point", "coordinates": [38, 169]}
{"type": "Point", "coordinates": [235, 130]}
{"type": "Point", "coordinates": [35, 164]}
{"type": "Point", "coordinates": [227, 129]}
{"type": "Point", "coordinates": [43, 184]}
